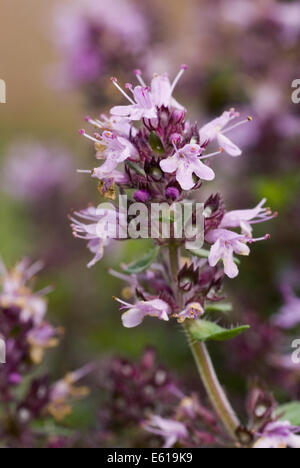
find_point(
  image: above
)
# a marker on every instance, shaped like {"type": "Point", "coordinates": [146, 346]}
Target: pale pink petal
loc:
{"type": "Point", "coordinates": [169, 165]}
{"type": "Point", "coordinates": [230, 268]}
{"type": "Point", "coordinates": [161, 90]}
{"type": "Point", "coordinates": [241, 248]}
{"type": "Point", "coordinates": [132, 318]}
{"type": "Point", "coordinates": [122, 111]}
{"type": "Point", "coordinates": [228, 145]}
{"type": "Point", "coordinates": [216, 253]}
{"type": "Point", "coordinates": [184, 177]}
{"type": "Point", "coordinates": [143, 97]}
{"type": "Point", "coordinates": [202, 171]}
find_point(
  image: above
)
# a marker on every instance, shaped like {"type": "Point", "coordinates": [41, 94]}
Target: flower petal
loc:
{"type": "Point", "coordinates": [216, 253]}
{"type": "Point", "coordinates": [202, 171]}
{"type": "Point", "coordinates": [169, 165]}
{"type": "Point", "coordinates": [132, 318]}
{"type": "Point", "coordinates": [228, 145]}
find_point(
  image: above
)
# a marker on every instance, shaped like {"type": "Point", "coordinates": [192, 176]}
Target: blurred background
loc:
{"type": "Point", "coordinates": [56, 59]}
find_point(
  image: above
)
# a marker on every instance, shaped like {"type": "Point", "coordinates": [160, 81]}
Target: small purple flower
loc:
{"type": "Point", "coordinates": [137, 312]}
{"type": "Point", "coordinates": [97, 226]}
{"type": "Point", "coordinates": [64, 390]}
{"type": "Point", "coordinates": [279, 434]}
{"type": "Point", "coordinates": [41, 338]}
{"type": "Point", "coordinates": [185, 163]}
{"type": "Point", "coordinates": [172, 431]}
{"type": "Point", "coordinates": [246, 218]}
{"type": "Point", "coordinates": [225, 244]}
{"type": "Point", "coordinates": [15, 292]}
{"type": "Point", "coordinates": [192, 311]}
{"type": "Point", "coordinates": [216, 130]}
{"type": "Point", "coordinates": [289, 314]}
{"type": "Point", "coordinates": [145, 100]}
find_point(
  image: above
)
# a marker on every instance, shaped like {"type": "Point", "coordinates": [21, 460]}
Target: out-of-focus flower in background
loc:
{"type": "Point", "coordinates": [98, 37]}
{"type": "Point", "coordinates": [34, 172]}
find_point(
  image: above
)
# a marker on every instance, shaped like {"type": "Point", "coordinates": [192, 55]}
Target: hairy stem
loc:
{"type": "Point", "coordinates": [203, 361]}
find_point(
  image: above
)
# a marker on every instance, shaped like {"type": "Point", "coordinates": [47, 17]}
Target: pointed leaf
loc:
{"type": "Point", "coordinates": [204, 330]}
{"type": "Point", "coordinates": [156, 144]}
{"type": "Point", "coordinates": [143, 263]}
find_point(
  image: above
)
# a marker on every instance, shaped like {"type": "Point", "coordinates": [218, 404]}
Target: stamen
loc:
{"type": "Point", "coordinates": [95, 123]}
{"type": "Point", "coordinates": [181, 72]}
{"type": "Point", "coordinates": [115, 82]}
{"type": "Point", "coordinates": [122, 302]}
{"type": "Point", "coordinates": [89, 137]}
{"type": "Point", "coordinates": [266, 218]}
{"type": "Point", "coordinates": [266, 237]}
{"type": "Point", "coordinates": [138, 74]}
{"type": "Point", "coordinates": [211, 155]}
{"type": "Point", "coordinates": [249, 119]}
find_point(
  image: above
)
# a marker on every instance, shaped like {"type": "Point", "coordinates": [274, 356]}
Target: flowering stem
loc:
{"type": "Point", "coordinates": [204, 363]}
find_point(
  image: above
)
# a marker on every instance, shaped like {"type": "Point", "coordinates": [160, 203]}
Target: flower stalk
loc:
{"type": "Point", "coordinates": [216, 394]}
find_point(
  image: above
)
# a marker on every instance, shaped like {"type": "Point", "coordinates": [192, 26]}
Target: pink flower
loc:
{"type": "Point", "coordinates": [98, 227]}
{"type": "Point", "coordinates": [289, 314]}
{"type": "Point", "coordinates": [245, 218]}
{"type": "Point", "coordinates": [137, 312]}
{"type": "Point", "coordinates": [216, 129]}
{"type": "Point", "coordinates": [16, 293]}
{"type": "Point", "coordinates": [279, 434]}
{"type": "Point", "coordinates": [225, 244]}
{"type": "Point", "coordinates": [185, 163]}
{"type": "Point", "coordinates": [192, 311]}
{"type": "Point", "coordinates": [146, 100]}
{"type": "Point", "coordinates": [65, 390]}
{"type": "Point", "coordinates": [169, 429]}
{"type": "Point", "coordinates": [40, 338]}
{"type": "Point", "coordinates": [118, 149]}
{"type": "Point", "coordinates": [142, 105]}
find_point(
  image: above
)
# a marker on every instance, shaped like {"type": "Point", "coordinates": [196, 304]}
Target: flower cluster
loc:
{"type": "Point", "coordinates": [165, 158]}
{"type": "Point", "coordinates": [26, 333]}
{"type": "Point", "coordinates": [146, 400]}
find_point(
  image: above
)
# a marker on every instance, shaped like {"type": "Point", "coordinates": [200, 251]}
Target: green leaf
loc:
{"type": "Point", "coordinates": [203, 253]}
{"type": "Point", "coordinates": [156, 144]}
{"type": "Point", "coordinates": [143, 263]}
{"type": "Point", "coordinates": [203, 330]}
{"type": "Point", "coordinates": [218, 307]}
{"type": "Point", "coordinates": [289, 412]}
{"type": "Point", "coordinates": [136, 168]}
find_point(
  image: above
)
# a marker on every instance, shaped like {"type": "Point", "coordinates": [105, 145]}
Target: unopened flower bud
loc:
{"type": "Point", "coordinates": [178, 116]}
{"type": "Point", "coordinates": [176, 138]}
{"type": "Point", "coordinates": [173, 193]}
{"type": "Point", "coordinates": [142, 196]}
